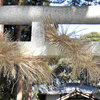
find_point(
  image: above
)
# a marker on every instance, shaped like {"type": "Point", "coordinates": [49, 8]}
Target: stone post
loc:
{"type": "Point", "coordinates": [38, 39]}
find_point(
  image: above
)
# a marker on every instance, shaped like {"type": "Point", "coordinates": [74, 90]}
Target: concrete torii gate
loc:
{"type": "Point", "coordinates": [27, 15]}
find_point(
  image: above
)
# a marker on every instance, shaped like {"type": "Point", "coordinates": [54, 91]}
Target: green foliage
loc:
{"type": "Point", "coordinates": [47, 65]}
{"type": "Point", "coordinates": [64, 77]}
{"type": "Point", "coordinates": [93, 36]}
{"type": "Point", "coordinates": [63, 70]}
{"type": "Point", "coordinates": [35, 97]}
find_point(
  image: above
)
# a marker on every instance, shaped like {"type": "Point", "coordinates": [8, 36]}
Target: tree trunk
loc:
{"type": "Point", "coordinates": [19, 86]}
{"type": "Point", "coordinates": [28, 94]}
{"type": "Point", "coordinates": [1, 30]}
{"type": "Point", "coordinates": [19, 89]}
{"type": "Point", "coordinates": [17, 33]}
{"type": "Point", "coordinates": [1, 35]}
{"type": "Point", "coordinates": [1, 26]}
{"type": "Point", "coordinates": [18, 28]}
{"type": "Point", "coordinates": [19, 92]}
{"type": "Point", "coordinates": [1, 2]}
{"type": "Point", "coordinates": [5, 88]}
{"type": "Point", "coordinates": [18, 38]}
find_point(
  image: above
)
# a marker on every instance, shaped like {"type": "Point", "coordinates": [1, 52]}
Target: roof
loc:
{"type": "Point", "coordinates": [69, 88]}
{"type": "Point", "coordinates": [77, 92]}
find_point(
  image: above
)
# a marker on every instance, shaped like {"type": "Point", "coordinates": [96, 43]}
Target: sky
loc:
{"type": "Point", "coordinates": [79, 29]}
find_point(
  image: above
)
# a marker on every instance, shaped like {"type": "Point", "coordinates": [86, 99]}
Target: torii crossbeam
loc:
{"type": "Point", "coordinates": [25, 15]}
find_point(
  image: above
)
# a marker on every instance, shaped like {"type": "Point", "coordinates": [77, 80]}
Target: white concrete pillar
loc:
{"type": "Point", "coordinates": [96, 48]}
{"type": "Point", "coordinates": [38, 46]}
{"type": "Point", "coordinates": [37, 35]}
{"type": "Point", "coordinates": [38, 39]}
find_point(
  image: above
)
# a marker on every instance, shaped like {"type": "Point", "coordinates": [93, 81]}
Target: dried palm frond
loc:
{"type": "Point", "coordinates": [33, 68]}
{"type": "Point", "coordinates": [80, 52]}
{"type": "Point", "coordinates": [7, 54]}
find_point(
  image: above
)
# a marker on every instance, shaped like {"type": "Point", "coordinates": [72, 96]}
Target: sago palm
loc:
{"type": "Point", "coordinates": [33, 68]}
{"type": "Point", "coordinates": [80, 52]}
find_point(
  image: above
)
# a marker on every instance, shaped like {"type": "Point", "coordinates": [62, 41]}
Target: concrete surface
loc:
{"type": "Point", "coordinates": [24, 15]}
{"type": "Point", "coordinates": [51, 50]}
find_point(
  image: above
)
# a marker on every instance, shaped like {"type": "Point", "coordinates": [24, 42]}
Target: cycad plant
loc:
{"type": "Point", "coordinates": [31, 67]}
{"type": "Point", "coordinates": [80, 52]}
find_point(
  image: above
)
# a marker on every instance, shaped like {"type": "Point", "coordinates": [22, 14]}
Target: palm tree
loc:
{"type": "Point", "coordinates": [33, 68]}
{"type": "Point", "coordinates": [80, 52]}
